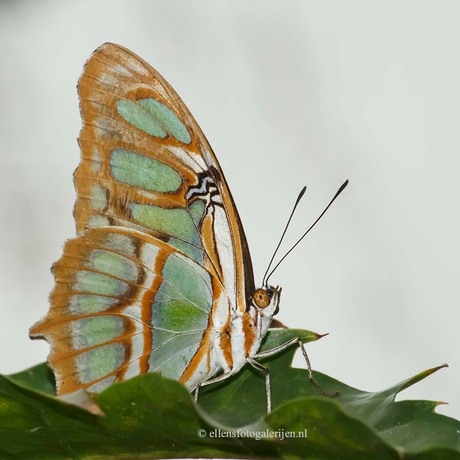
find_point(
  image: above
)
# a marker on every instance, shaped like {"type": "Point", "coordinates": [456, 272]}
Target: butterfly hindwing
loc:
{"type": "Point", "coordinates": [124, 303]}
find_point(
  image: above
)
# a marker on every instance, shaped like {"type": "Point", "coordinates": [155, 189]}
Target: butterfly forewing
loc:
{"type": "Point", "coordinates": [160, 253]}
{"type": "Point", "coordinates": [147, 165]}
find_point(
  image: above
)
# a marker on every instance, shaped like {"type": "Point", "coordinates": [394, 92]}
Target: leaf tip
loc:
{"type": "Point", "coordinates": [320, 336]}
{"type": "Point", "coordinates": [417, 378]}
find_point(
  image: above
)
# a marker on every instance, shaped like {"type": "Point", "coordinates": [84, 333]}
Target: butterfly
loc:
{"type": "Point", "coordinates": [159, 277]}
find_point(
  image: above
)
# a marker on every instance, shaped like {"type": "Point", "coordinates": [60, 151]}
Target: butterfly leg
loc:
{"type": "Point", "coordinates": [256, 365]}
{"type": "Point", "coordinates": [284, 346]}
{"type": "Point", "coordinates": [219, 378]}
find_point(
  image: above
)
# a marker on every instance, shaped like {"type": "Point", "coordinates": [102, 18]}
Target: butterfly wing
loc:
{"type": "Point", "coordinates": [161, 260]}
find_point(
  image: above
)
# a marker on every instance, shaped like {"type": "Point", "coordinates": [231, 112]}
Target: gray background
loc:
{"type": "Point", "coordinates": [288, 93]}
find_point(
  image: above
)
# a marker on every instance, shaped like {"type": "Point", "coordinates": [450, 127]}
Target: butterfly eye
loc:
{"type": "Point", "coordinates": [261, 298]}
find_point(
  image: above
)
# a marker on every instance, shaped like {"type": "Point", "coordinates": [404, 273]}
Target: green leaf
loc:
{"type": "Point", "coordinates": [152, 417]}
{"type": "Point", "coordinates": [39, 378]}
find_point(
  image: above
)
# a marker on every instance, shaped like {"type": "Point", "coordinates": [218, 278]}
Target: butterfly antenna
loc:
{"type": "Point", "coordinates": [301, 194]}
{"type": "Point", "coordinates": [339, 191]}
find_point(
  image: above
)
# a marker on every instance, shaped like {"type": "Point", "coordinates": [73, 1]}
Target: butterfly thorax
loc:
{"type": "Point", "coordinates": [238, 339]}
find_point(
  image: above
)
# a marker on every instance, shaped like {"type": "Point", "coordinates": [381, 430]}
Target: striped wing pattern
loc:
{"type": "Point", "coordinates": [160, 263]}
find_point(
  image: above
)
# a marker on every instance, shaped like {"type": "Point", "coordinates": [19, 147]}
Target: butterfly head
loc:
{"type": "Point", "coordinates": [266, 299]}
